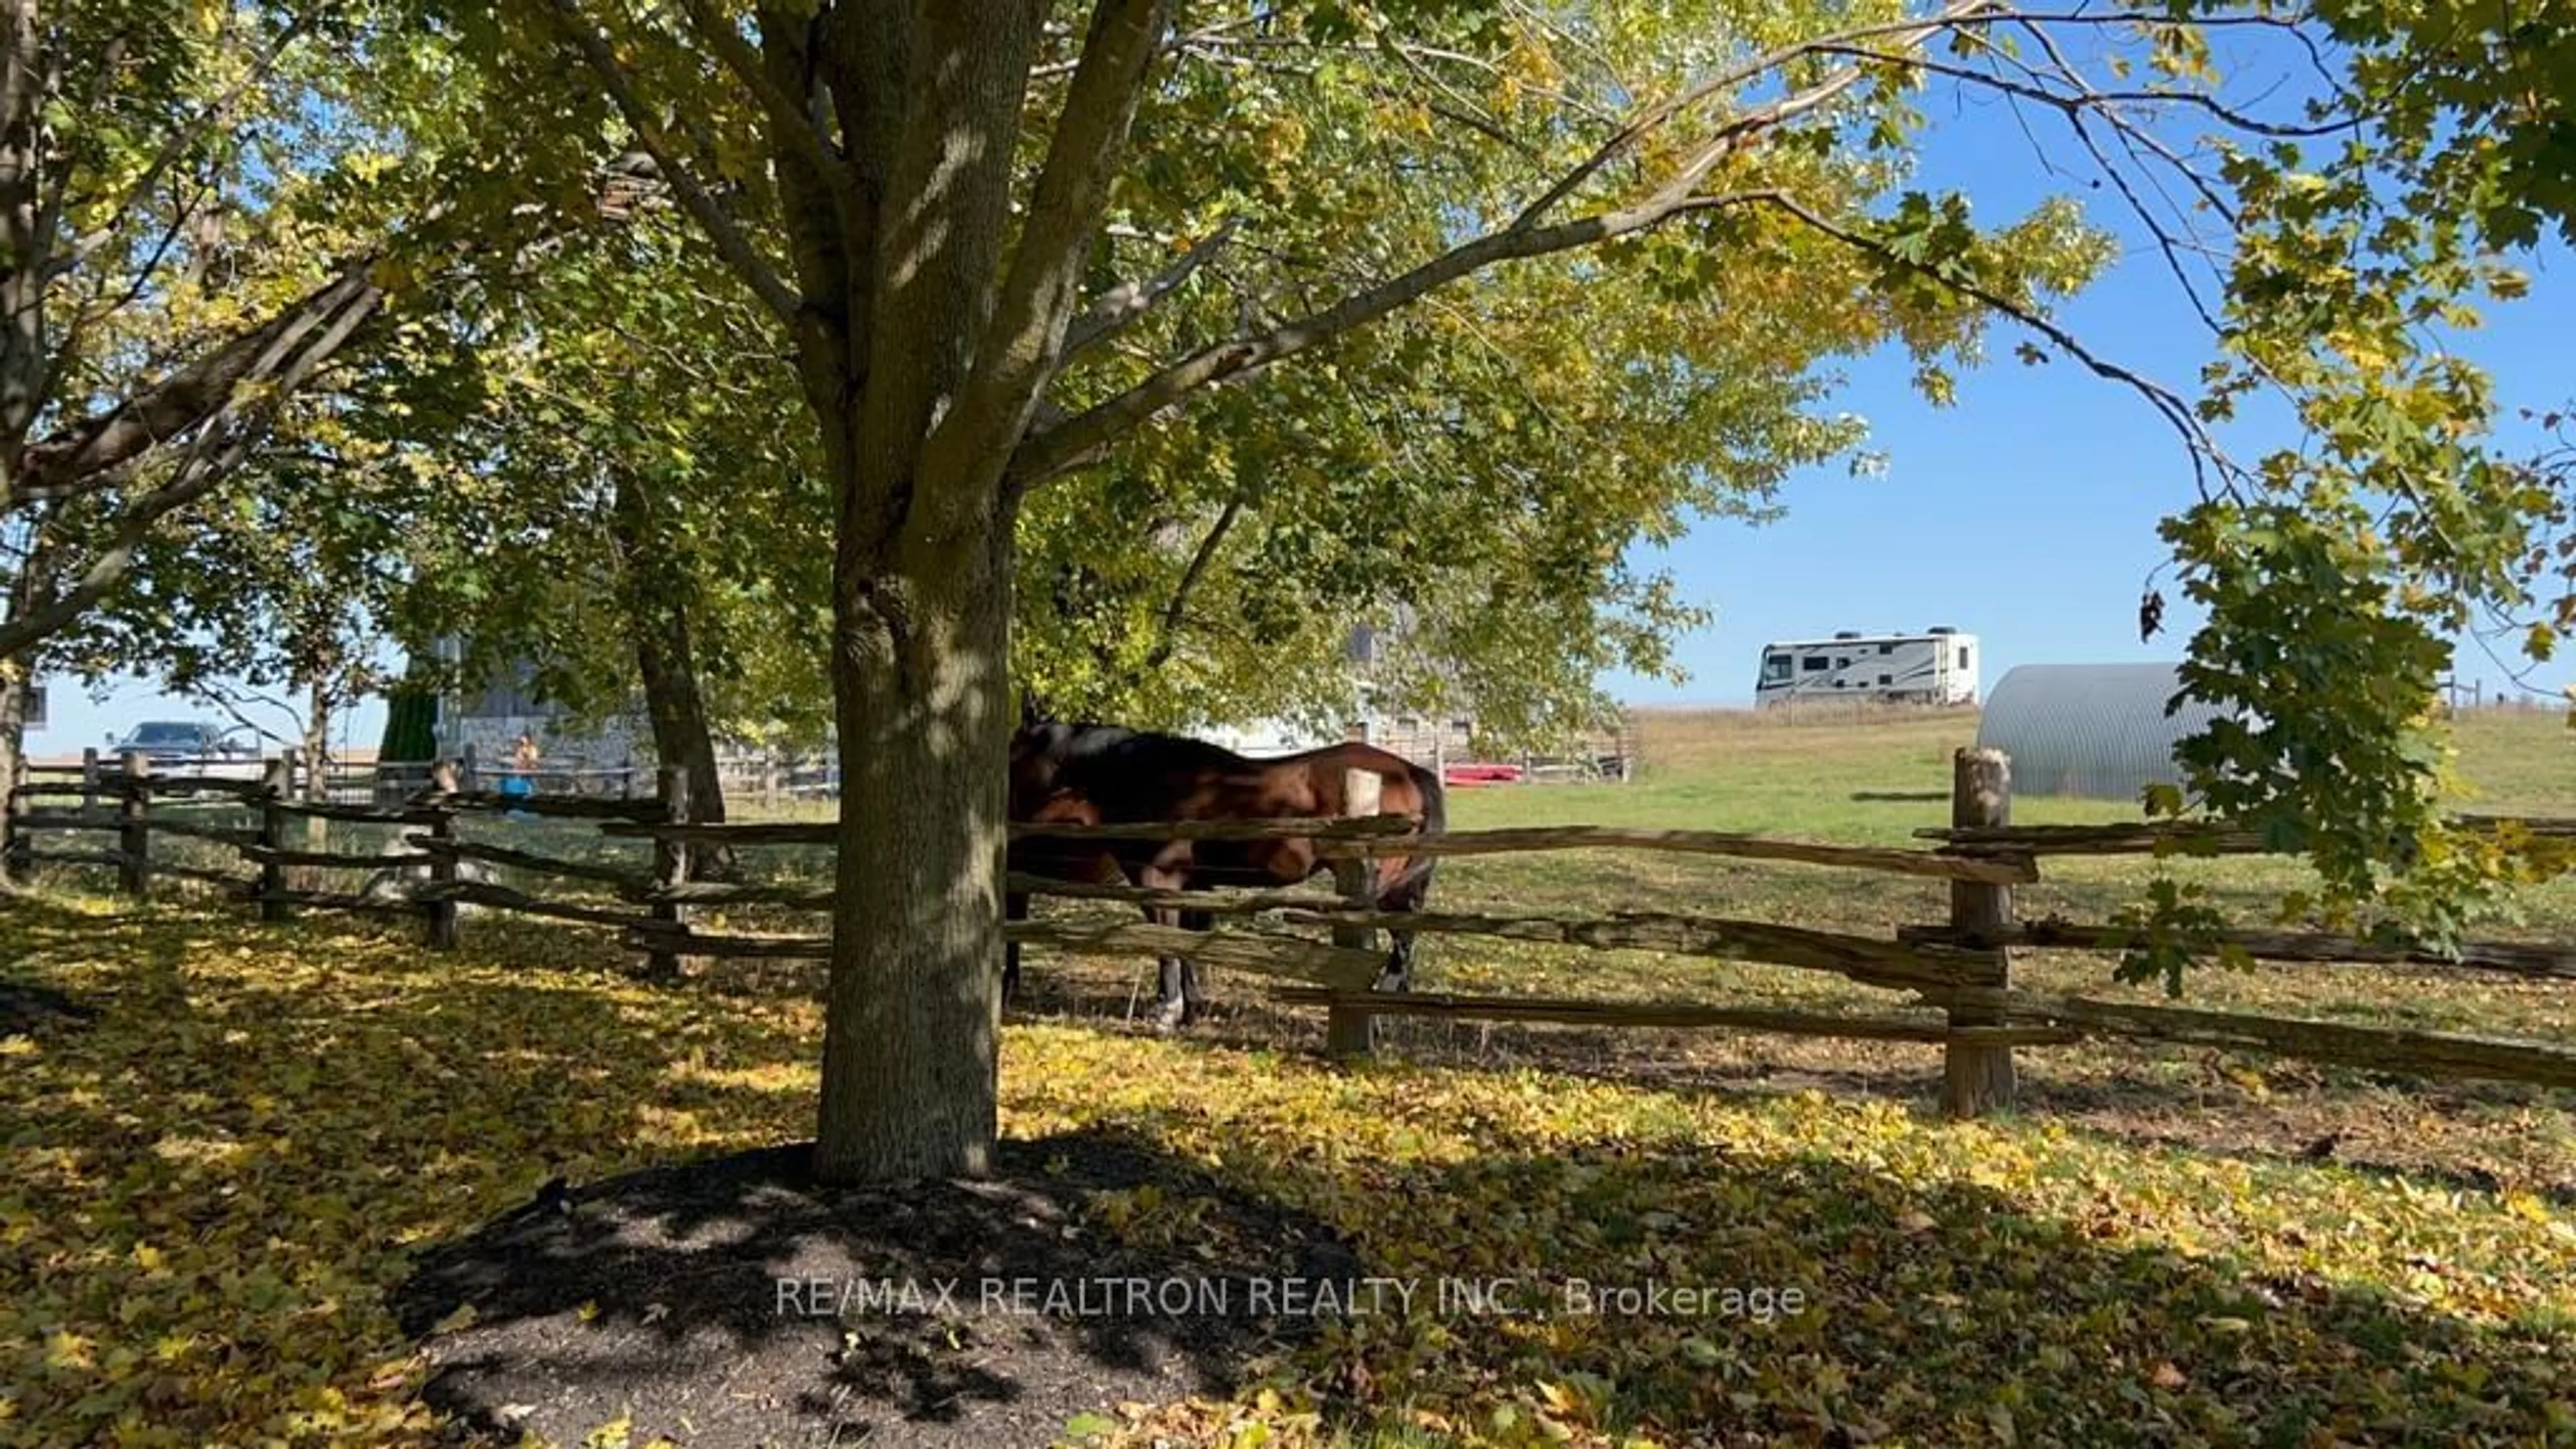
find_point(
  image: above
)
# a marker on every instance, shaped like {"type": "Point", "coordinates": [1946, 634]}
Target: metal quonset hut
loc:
{"type": "Point", "coordinates": [2095, 731]}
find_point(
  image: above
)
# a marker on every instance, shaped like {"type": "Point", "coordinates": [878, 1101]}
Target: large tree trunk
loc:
{"type": "Point", "coordinates": [657, 609]}
{"type": "Point", "coordinates": [913, 1014]}
{"type": "Point", "coordinates": [681, 738]}
{"type": "Point", "coordinates": [17, 673]}
{"type": "Point", "coordinates": [13, 743]}
{"type": "Point", "coordinates": [924, 340]}
{"type": "Point", "coordinates": [315, 748]}
{"type": "Point", "coordinates": [317, 736]}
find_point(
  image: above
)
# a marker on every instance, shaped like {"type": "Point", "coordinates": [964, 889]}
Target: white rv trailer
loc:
{"type": "Point", "coordinates": [1937, 666]}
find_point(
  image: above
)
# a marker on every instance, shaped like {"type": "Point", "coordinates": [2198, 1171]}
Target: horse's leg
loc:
{"type": "Point", "coordinates": [1193, 1004]}
{"type": "Point", "coordinates": [1408, 896]}
{"type": "Point", "coordinates": [1014, 908]}
{"type": "Point", "coordinates": [1179, 988]}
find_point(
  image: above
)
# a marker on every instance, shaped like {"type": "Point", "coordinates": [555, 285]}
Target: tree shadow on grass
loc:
{"type": "Point", "coordinates": [26, 1009]}
{"type": "Point", "coordinates": [1933, 1311]}
{"type": "Point", "coordinates": [320, 1095]}
{"type": "Point", "coordinates": [425, 1093]}
{"type": "Point", "coordinates": [734, 1301]}
{"type": "Point", "coordinates": [151, 943]}
{"type": "Point", "coordinates": [2324, 1116]}
{"type": "Point", "coordinates": [2301, 1112]}
{"type": "Point", "coordinates": [2494, 1134]}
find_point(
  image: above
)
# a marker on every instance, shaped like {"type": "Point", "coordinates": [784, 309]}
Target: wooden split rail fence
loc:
{"type": "Point", "coordinates": [1957, 973]}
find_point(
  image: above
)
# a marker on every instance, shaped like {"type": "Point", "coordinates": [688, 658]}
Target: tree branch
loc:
{"type": "Point", "coordinates": [290, 360]}
{"type": "Point", "coordinates": [792, 118]}
{"type": "Point", "coordinates": [2204, 449]}
{"type": "Point", "coordinates": [177, 143]}
{"type": "Point", "coordinates": [1910, 33]}
{"type": "Point", "coordinates": [1053, 450]}
{"type": "Point", "coordinates": [2090, 98]}
{"type": "Point", "coordinates": [1177, 609]}
{"type": "Point", "coordinates": [1114, 309]}
{"type": "Point", "coordinates": [731, 242]}
{"type": "Point", "coordinates": [83, 457]}
{"type": "Point", "coordinates": [929, 288]}
{"type": "Point", "coordinates": [210, 692]}
{"type": "Point", "coordinates": [1176, 44]}
{"type": "Point", "coordinates": [1050, 453]}
{"type": "Point", "coordinates": [1743, 130]}
{"type": "Point", "coordinates": [1024, 339]}
{"type": "Point", "coordinates": [26, 243]}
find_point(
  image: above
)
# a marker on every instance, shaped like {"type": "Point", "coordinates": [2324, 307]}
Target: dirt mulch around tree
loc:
{"type": "Point", "coordinates": [734, 1302]}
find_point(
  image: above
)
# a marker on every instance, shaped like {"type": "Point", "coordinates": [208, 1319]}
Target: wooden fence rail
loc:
{"type": "Point", "coordinates": [2437, 1054]}
{"type": "Point", "coordinates": [1564, 1011]}
{"type": "Point", "coordinates": [1385, 835]}
{"type": "Point", "coordinates": [2514, 958]}
{"type": "Point", "coordinates": [2180, 837]}
{"type": "Point", "coordinates": [1957, 975]}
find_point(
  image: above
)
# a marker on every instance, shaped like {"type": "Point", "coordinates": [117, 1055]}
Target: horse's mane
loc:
{"type": "Point", "coordinates": [1092, 743]}
{"type": "Point", "coordinates": [1166, 749]}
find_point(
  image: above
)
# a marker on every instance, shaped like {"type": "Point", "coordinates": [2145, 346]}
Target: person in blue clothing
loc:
{"type": "Point", "coordinates": [521, 778]}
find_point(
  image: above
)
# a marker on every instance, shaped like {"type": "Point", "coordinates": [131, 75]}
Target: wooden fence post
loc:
{"type": "Point", "coordinates": [89, 779]}
{"type": "Point", "coordinates": [670, 870]}
{"type": "Point", "coordinates": [442, 864]}
{"type": "Point", "coordinates": [471, 777]}
{"type": "Point", "coordinates": [1348, 1030]}
{"type": "Point", "coordinates": [303, 777]}
{"type": "Point", "coordinates": [1976, 1079]}
{"type": "Point", "coordinates": [272, 837]}
{"type": "Point", "coordinates": [134, 835]}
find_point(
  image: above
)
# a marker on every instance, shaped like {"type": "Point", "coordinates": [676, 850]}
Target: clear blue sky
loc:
{"type": "Point", "coordinates": [2024, 514]}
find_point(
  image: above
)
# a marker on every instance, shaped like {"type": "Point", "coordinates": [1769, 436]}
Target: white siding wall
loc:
{"type": "Point", "coordinates": [493, 736]}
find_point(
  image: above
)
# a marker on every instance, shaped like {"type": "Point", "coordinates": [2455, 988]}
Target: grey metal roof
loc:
{"type": "Point", "coordinates": [2096, 731]}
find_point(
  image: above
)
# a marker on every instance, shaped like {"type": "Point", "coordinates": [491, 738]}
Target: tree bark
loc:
{"type": "Point", "coordinates": [657, 593]}
{"type": "Point", "coordinates": [681, 737]}
{"type": "Point", "coordinates": [922, 375]}
{"type": "Point", "coordinates": [914, 1005]}
{"type": "Point", "coordinates": [921, 577]}
{"type": "Point", "coordinates": [17, 672]}
{"type": "Point", "coordinates": [317, 736]}
{"type": "Point", "coordinates": [13, 743]}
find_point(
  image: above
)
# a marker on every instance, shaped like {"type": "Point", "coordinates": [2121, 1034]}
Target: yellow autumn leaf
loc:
{"type": "Point", "coordinates": [69, 1351]}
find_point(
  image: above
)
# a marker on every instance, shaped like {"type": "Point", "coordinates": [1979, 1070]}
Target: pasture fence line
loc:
{"type": "Point", "coordinates": [1954, 978]}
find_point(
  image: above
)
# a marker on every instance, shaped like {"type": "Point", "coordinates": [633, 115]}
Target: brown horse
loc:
{"type": "Point", "coordinates": [1104, 774]}
{"type": "Point", "coordinates": [1037, 752]}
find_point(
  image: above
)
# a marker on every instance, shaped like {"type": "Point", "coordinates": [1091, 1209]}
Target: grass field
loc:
{"type": "Point", "coordinates": [1734, 772]}
{"type": "Point", "coordinates": [209, 1189]}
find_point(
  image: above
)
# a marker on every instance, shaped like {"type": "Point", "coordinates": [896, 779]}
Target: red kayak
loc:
{"type": "Point", "coordinates": [1473, 774]}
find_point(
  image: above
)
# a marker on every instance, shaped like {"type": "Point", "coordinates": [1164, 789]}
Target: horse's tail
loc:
{"type": "Point", "coordinates": [1414, 883]}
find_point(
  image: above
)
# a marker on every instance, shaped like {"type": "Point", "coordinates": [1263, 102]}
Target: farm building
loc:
{"type": "Point", "coordinates": [1416, 737]}
{"type": "Point", "coordinates": [2094, 731]}
{"type": "Point", "coordinates": [1445, 742]}
{"type": "Point", "coordinates": [490, 720]}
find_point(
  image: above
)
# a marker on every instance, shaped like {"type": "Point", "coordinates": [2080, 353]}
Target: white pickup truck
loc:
{"type": "Point", "coordinates": [189, 747]}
